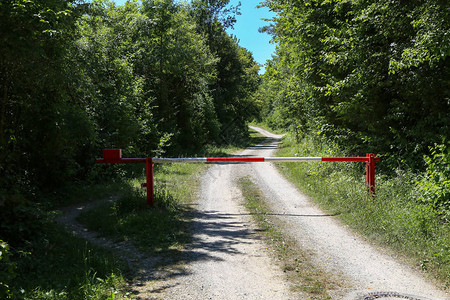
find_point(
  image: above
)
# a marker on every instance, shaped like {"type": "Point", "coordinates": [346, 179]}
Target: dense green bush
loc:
{"type": "Point", "coordinates": [7, 271]}
{"type": "Point", "coordinates": [434, 186]}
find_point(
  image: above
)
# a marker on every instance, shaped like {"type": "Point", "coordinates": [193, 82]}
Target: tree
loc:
{"type": "Point", "coordinates": [368, 74]}
{"type": "Point", "coordinates": [36, 109]}
{"type": "Point", "coordinates": [237, 72]}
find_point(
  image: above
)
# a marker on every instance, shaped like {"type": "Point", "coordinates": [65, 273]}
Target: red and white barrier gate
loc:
{"type": "Point", "coordinates": [114, 156]}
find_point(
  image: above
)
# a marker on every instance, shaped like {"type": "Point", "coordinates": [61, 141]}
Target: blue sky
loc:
{"type": "Point", "coordinates": [246, 29]}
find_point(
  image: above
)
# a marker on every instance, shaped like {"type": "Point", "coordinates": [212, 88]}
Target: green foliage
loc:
{"type": "Point", "coordinates": [177, 65]}
{"type": "Point", "coordinates": [23, 222]}
{"type": "Point", "coordinates": [64, 267]}
{"type": "Point", "coordinates": [34, 106]}
{"type": "Point", "coordinates": [7, 271]}
{"type": "Point", "coordinates": [370, 75]}
{"type": "Point", "coordinates": [59, 266]}
{"type": "Point", "coordinates": [145, 78]}
{"type": "Point", "coordinates": [434, 187]}
{"type": "Point", "coordinates": [237, 76]}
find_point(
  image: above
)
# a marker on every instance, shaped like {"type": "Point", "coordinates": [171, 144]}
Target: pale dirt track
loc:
{"type": "Point", "coordinates": [228, 259]}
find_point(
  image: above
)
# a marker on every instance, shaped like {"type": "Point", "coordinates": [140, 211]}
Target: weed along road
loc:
{"type": "Point", "coordinates": [229, 258]}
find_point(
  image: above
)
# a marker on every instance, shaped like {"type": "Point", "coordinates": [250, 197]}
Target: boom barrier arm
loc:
{"type": "Point", "coordinates": [114, 156]}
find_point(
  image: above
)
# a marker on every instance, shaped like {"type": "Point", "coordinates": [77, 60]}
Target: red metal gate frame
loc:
{"type": "Point", "coordinates": [114, 156]}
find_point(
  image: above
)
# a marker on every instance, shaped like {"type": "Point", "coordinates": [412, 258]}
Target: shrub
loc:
{"type": "Point", "coordinates": [434, 186]}
{"type": "Point", "coordinates": [7, 271]}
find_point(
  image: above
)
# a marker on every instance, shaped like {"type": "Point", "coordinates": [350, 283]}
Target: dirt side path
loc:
{"type": "Point", "coordinates": [149, 272]}
{"type": "Point", "coordinates": [371, 272]}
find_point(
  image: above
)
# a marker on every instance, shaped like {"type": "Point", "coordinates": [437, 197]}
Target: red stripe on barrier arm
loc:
{"type": "Point", "coordinates": [235, 159]}
{"type": "Point", "coordinates": [357, 158]}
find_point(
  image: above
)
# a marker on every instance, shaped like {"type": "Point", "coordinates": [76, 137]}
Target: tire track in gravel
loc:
{"type": "Point", "coordinates": [373, 273]}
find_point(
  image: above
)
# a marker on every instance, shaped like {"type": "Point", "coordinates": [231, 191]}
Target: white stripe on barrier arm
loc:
{"type": "Point", "coordinates": [291, 159]}
{"type": "Point", "coordinates": [179, 160]}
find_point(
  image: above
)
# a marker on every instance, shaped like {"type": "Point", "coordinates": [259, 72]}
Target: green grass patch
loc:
{"type": "Point", "coordinates": [160, 229]}
{"type": "Point", "coordinates": [395, 218]}
{"type": "Point", "coordinates": [295, 263]}
{"type": "Point", "coordinates": [61, 266]}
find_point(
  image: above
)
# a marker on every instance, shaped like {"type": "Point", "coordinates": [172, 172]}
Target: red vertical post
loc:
{"type": "Point", "coordinates": [149, 184]}
{"type": "Point", "coordinates": [370, 173]}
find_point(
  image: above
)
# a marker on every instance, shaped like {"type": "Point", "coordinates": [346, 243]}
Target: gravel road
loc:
{"type": "Point", "coordinates": [229, 261]}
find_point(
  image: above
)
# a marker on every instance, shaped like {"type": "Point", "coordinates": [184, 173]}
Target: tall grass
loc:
{"type": "Point", "coordinates": [396, 217]}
